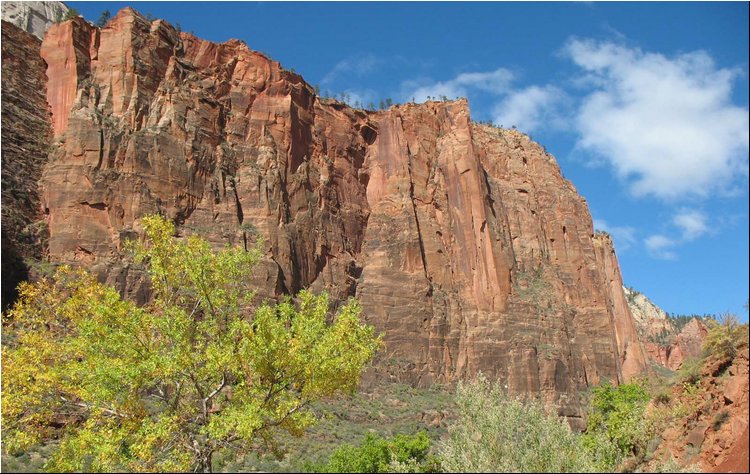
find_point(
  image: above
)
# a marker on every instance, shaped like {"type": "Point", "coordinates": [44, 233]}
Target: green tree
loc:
{"type": "Point", "coordinates": [724, 336]}
{"type": "Point", "coordinates": [70, 14]}
{"type": "Point", "coordinates": [498, 433]}
{"type": "Point", "coordinates": [376, 454]}
{"type": "Point", "coordinates": [165, 386]}
{"type": "Point", "coordinates": [103, 19]}
{"type": "Point", "coordinates": [618, 414]}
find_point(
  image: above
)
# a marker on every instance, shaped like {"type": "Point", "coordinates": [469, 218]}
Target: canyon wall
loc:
{"type": "Point", "coordinates": [463, 242]}
{"type": "Point", "coordinates": [668, 342]}
{"type": "Point", "coordinates": [26, 134]}
{"type": "Point", "coordinates": [33, 17]}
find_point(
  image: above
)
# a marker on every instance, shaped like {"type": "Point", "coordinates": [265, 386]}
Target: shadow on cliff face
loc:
{"type": "Point", "coordinates": [14, 271]}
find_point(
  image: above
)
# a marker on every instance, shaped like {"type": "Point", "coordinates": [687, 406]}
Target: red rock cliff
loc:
{"type": "Point", "coordinates": [463, 242]}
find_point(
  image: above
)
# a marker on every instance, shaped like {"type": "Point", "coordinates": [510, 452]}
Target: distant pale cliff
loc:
{"type": "Point", "coordinates": [665, 343]}
{"type": "Point", "coordinates": [33, 17]}
{"type": "Point", "coordinates": [463, 242]}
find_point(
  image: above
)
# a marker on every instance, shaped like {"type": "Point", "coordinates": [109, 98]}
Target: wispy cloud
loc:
{"type": "Point", "coordinates": [495, 82]}
{"type": "Point", "coordinates": [666, 125]}
{"type": "Point", "coordinates": [354, 66]}
{"type": "Point", "coordinates": [659, 246]}
{"type": "Point", "coordinates": [623, 236]}
{"type": "Point", "coordinates": [532, 108]}
{"type": "Point", "coordinates": [692, 223]}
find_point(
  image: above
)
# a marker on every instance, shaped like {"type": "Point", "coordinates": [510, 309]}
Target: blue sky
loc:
{"type": "Point", "coordinates": [644, 105]}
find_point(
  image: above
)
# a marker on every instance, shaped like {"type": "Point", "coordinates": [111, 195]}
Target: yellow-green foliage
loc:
{"type": "Point", "coordinates": [618, 415]}
{"type": "Point", "coordinates": [724, 337]}
{"type": "Point", "coordinates": [402, 453]}
{"type": "Point", "coordinates": [165, 386]}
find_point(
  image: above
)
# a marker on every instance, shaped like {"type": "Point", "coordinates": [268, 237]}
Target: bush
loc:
{"type": "Point", "coordinates": [70, 14]}
{"type": "Point", "coordinates": [719, 419]}
{"type": "Point", "coordinates": [403, 453]}
{"type": "Point", "coordinates": [691, 371]}
{"type": "Point", "coordinates": [499, 433]}
{"type": "Point", "coordinates": [663, 396]}
{"type": "Point", "coordinates": [724, 337]}
{"type": "Point", "coordinates": [618, 415]}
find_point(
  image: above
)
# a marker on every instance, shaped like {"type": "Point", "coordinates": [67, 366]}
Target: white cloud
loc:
{"type": "Point", "coordinates": [528, 109]}
{"type": "Point", "coordinates": [496, 82]}
{"type": "Point", "coordinates": [623, 236]}
{"type": "Point", "coordinates": [659, 246]}
{"type": "Point", "coordinates": [666, 125]}
{"type": "Point", "coordinates": [354, 66]}
{"type": "Point", "coordinates": [361, 97]}
{"type": "Point", "coordinates": [692, 223]}
{"type": "Point", "coordinates": [531, 108]}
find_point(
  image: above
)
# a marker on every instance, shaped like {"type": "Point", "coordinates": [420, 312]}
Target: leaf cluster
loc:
{"type": "Point", "coordinates": [618, 416]}
{"type": "Point", "coordinates": [377, 454]}
{"type": "Point", "coordinates": [724, 337]}
{"type": "Point", "coordinates": [167, 385]}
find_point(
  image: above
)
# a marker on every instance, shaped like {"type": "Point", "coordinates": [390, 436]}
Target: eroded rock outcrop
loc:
{"type": "Point", "coordinates": [672, 351]}
{"type": "Point", "coordinates": [33, 17]}
{"type": "Point", "coordinates": [667, 341]}
{"type": "Point", "coordinates": [463, 242]}
{"type": "Point", "coordinates": [26, 135]}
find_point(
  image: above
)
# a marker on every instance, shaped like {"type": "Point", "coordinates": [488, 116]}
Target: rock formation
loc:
{"type": "Point", "coordinates": [26, 134]}
{"type": "Point", "coordinates": [709, 426]}
{"type": "Point", "coordinates": [678, 346]}
{"type": "Point", "coordinates": [33, 17]}
{"type": "Point", "coordinates": [665, 343]}
{"type": "Point", "coordinates": [463, 242]}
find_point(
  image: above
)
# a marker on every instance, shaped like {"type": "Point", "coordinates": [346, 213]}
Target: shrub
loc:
{"type": "Point", "coordinates": [402, 453]}
{"type": "Point", "coordinates": [724, 337]}
{"type": "Point", "coordinates": [70, 14]}
{"type": "Point", "coordinates": [499, 433]}
{"type": "Point", "coordinates": [618, 414]}
{"type": "Point", "coordinates": [691, 371]}
{"type": "Point", "coordinates": [663, 396]}
{"type": "Point", "coordinates": [719, 419]}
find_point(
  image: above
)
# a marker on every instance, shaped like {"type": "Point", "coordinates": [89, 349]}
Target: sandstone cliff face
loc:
{"type": "Point", "coordinates": [33, 17]}
{"type": "Point", "coordinates": [665, 343]}
{"type": "Point", "coordinates": [680, 346]}
{"type": "Point", "coordinates": [464, 243]}
{"type": "Point", "coordinates": [26, 133]}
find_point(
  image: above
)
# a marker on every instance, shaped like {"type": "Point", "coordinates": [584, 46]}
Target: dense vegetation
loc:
{"type": "Point", "coordinates": [199, 379]}
{"type": "Point", "coordinates": [168, 385]}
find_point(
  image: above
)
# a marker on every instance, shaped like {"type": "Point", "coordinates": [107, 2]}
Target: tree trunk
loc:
{"type": "Point", "coordinates": [204, 460]}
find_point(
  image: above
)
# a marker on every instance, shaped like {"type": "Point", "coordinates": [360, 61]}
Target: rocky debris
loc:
{"type": "Point", "coordinates": [26, 134]}
{"type": "Point", "coordinates": [736, 459]}
{"type": "Point", "coordinates": [463, 242]}
{"type": "Point", "coordinates": [33, 17]}
{"type": "Point", "coordinates": [712, 425]}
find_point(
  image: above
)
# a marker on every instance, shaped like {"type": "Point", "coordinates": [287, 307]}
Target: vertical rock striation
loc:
{"type": "Point", "coordinates": [463, 242]}
{"type": "Point", "coordinates": [26, 134]}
